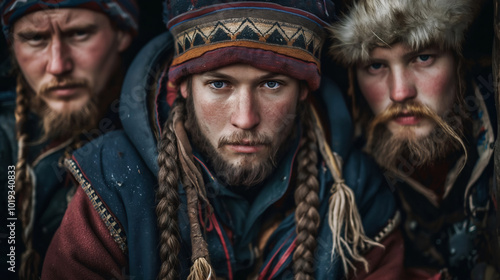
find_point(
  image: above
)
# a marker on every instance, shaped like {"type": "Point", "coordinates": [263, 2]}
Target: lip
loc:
{"type": "Point", "coordinates": [246, 149]}
{"type": "Point", "coordinates": [64, 92]}
{"type": "Point", "coordinates": [407, 119]}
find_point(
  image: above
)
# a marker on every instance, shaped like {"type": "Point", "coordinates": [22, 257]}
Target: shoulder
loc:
{"type": "Point", "coordinates": [111, 162]}
{"type": "Point", "coordinates": [110, 168]}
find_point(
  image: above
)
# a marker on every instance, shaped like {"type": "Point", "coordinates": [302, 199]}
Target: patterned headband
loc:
{"type": "Point", "coordinates": [265, 35]}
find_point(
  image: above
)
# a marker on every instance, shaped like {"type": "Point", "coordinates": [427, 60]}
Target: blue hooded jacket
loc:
{"type": "Point", "coordinates": [118, 172]}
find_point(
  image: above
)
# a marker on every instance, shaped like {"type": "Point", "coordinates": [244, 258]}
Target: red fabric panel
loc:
{"type": "Point", "coordinates": [417, 274]}
{"type": "Point", "coordinates": [385, 263]}
{"type": "Point", "coordinates": [82, 247]}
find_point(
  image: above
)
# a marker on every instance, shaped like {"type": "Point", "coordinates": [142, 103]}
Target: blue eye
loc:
{"type": "Point", "coordinates": [376, 66]}
{"type": "Point", "coordinates": [218, 84]}
{"type": "Point", "coordinates": [272, 84]}
{"type": "Point", "coordinates": [424, 57]}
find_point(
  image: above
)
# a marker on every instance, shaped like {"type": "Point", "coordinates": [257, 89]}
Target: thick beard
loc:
{"type": "Point", "coordinates": [236, 176]}
{"type": "Point", "coordinates": [67, 123]}
{"type": "Point", "coordinates": [406, 151]}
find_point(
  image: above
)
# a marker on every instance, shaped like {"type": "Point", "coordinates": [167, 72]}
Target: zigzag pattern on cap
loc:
{"type": "Point", "coordinates": [416, 23]}
{"type": "Point", "coordinates": [292, 40]}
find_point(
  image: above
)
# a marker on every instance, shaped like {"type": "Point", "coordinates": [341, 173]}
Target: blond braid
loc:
{"type": "Point", "coordinates": [168, 199]}
{"type": "Point", "coordinates": [30, 259]}
{"type": "Point", "coordinates": [307, 217]}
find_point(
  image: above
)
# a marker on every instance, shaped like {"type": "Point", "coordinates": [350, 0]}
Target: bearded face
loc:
{"type": "Point", "coordinates": [414, 99]}
{"type": "Point", "coordinates": [241, 119]}
{"type": "Point", "coordinates": [65, 121]}
{"type": "Point", "coordinates": [404, 146]}
{"type": "Point", "coordinates": [68, 57]}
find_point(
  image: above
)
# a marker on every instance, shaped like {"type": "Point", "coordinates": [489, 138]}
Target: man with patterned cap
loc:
{"type": "Point", "coordinates": [425, 120]}
{"type": "Point", "coordinates": [223, 168]}
{"type": "Point", "coordinates": [67, 59]}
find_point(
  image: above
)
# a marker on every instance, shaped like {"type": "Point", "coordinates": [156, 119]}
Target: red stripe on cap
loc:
{"type": "Point", "coordinates": [217, 7]}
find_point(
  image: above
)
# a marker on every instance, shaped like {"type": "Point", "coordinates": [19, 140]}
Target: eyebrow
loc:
{"type": "Point", "coordinates": [219, 75]}
{"type": "Point", "coordinates": [31, 32]}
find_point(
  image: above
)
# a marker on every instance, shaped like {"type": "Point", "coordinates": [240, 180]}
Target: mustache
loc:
{"type": "Point", "coordinates": [413, 108]}
{"type": "Point", "coordinates": [67, 82]}
{"type": "Point", "coordinates": [246, 138]}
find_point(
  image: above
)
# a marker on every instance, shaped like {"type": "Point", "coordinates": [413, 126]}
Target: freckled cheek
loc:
{"type": "Point", "coordinates": [279, 117]}
{"type": "Point", "coordinates": [440, 90]}
{"type": "Point", "coordinates": [212, 118]}
{"type": "Point", "coordinates": [97, 62]}
{"type": "Point", "coordinates": [32, 66]}
{"type": "Point", "coordinates": [92, 57]}
{"type": "Point", "coordinates": [375, 94]}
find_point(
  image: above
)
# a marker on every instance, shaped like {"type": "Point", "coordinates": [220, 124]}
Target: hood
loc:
{"type": "Point", "coordinates": [141, 121]}
{"type": "Point", "coordinates": [139, 82]}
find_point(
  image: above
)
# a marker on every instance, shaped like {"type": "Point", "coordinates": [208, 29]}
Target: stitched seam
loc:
{"type": "Point", "coordinates": [114, 229]}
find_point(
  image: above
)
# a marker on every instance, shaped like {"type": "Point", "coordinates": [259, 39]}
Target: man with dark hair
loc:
{"type": "Point", "coordinates": [69, 73]}
{"type": "Point", "coordinates": [223, 168]}
{"type": "Point", "coordinates": [429, 125]}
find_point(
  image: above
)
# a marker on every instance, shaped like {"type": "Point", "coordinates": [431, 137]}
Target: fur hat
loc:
{"type": "Point", "coordinates": [282, 36]}
{"type": "Point", "coordinates": [415, 23]}
{"type": "Point", "coordinates": [124, 12]}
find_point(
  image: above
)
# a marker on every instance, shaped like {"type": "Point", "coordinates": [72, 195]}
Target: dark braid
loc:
{"type": "Point", "coordinates": [168, 198]}
{"type": "Point", "coordinates": [30, 259]}
{"type": "Point", "coordinates": [307, 200]}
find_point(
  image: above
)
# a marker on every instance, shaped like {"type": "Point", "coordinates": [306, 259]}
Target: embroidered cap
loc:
{"type": "Point", "coordinates": [124, 12]}
{"type": "Point", "coordinates": [281, 36]}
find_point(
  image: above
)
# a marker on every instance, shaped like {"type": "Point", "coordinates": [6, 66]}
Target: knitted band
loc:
{"type": "Point", "coordinates": [265, 35]}
{"type": "Point", "coordinates": [417, 24]}
{"type": "Point", "coordinates": [123, 12]}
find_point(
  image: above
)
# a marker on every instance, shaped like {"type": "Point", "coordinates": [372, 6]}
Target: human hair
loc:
{"type": "Point", "coordinates": [30, 259]}
{"type": "Point", "coordinates": [169, 161]}
{"type": "Point", "coordinates": [168, 198]}
{"type": "Point", "coordinates": [171, 173]}
{"type": "Point", "coordinates": [307, 218]}
{"type": "Point", "coordinates": [25, 185]}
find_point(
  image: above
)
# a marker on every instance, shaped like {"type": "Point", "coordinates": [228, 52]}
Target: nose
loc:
{"type": "Point", "coordinates": [59, 61]}
{"type": "Point", "coordinates": [246, 114]}
{"type": "Point", "coordinates": [402, 86]}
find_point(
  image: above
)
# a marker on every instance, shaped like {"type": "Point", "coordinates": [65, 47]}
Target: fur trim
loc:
{"type": "Point", "coordinates": [416, 23]}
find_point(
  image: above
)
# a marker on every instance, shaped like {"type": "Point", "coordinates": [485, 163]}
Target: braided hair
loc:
{"type": "Point", "coordinates": [306, 199]}
{"type": "Point", "coordinates": [168, 198]}
{"type": "Point", "coordinates": [30, 259]}
{"type": "Point", "coordinates": [307, 217]}
{"type": "Point", "coordinates": [168, 205]}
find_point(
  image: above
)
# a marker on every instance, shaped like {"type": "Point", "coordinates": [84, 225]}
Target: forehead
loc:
{"type": "Point", "coordinates": [403, 51]}
{"type": "Point", "coordinates": [393, 51]}
{"type": "Point", "coordinates": [242, 72]}
{"type": "Point", "coordinates": [66, 17]}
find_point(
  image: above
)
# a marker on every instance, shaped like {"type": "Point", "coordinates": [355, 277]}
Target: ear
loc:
{"type": "Point", "coordinates": [304, 91]}
{"type": "Point", "coordinates": [183, 88]}
{"type": "Point", "coordinates": [124, 39]}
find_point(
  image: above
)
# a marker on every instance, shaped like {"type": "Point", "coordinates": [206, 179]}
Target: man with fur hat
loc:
{"type": "Point", "coordinates": [67, 57]}
{"type": "Point", "coordinates": [427, 123]}
{"type": "Point", "coordinates": [223, 168]}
